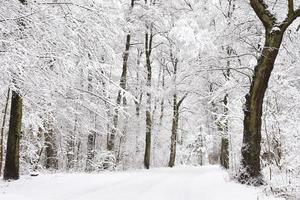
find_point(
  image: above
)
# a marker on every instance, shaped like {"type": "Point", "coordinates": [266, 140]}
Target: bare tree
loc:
{"type": "Point", "coordinates": [148, 50]}
{"type": "Point", "coordinates": [11, 168]}
{"type": "Point", "coordinates": [123, 82]}
{"type": "Point", "coordinates": [274, 33]}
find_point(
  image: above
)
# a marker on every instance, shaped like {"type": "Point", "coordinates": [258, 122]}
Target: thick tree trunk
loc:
{"type": "Point", "coordinates": [251, 171]}
{"type": "Point", "coordinates": [274, 31]}
{"type": "Point", "coordinates": [11, 168]}
{"type": "Point", "coordinates": [2, 131]}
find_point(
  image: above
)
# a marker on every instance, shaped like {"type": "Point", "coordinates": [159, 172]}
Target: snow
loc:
{"type": "Point", "coordinates": [183, 183]}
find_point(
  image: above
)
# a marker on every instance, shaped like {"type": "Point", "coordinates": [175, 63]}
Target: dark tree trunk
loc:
{"type": "Point", "coordinates": [253, 110]}
{"type": "Point", "coordinates": [148, 49]}
{"type": "Point", "coordinates": [11, 168]}
{"type": "Point", "coordinates": [176, 106]}
{"type": "Point", "coordinates": [274, 31]}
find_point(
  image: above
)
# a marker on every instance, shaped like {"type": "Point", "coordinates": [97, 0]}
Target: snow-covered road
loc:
{"type": "Point", "coordinates": [184, 183]}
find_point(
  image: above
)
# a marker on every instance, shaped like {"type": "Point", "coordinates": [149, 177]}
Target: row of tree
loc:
{"type": "Point", "coordinates": [184, 67]}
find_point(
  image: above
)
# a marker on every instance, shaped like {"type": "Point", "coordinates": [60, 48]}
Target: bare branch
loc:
{"type": "Point", "coordinates": [181, 100]}
{"type": "Point", "coordinates": [292, 15]}
{"type": "Point", "coordinates": [265, 16]}
{"type": "Point", "coordinates": [290, 7]}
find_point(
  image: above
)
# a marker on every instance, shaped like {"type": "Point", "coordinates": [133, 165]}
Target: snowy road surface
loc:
{"type": "Point", "coordinates": [184, 183]}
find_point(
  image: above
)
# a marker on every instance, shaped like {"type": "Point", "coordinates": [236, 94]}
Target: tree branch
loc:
{"type": "Point", "coordinates": [261, 10]}
{"type": "Point", "coordinates": [297, 12]}
{"type": "Point", "coordinates": [292, 15]}
{"type": "Point", "coordinates": [181, 100]}
{"type": "Point", "coordinates": [290, 7]}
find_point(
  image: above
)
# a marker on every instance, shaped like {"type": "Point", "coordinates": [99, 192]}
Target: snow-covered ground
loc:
{"type": "Point", "coordinates": [183, 183]}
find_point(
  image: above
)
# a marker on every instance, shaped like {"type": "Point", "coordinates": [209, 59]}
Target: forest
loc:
{"type": "Point", "coordinates": [100, 89]}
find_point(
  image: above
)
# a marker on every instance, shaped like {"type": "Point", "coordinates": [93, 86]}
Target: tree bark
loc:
{"type": "Point", "coordinates": [50, 147]}
{"type": "Point", "coordinates": [251, 172]}
{"type": "Point", "coordinates": [224, 157]}
{"type": "Point", "coordinates": [176, 106]}
{"type": "Point", "coordinates": [253, 110]}
{"type": "Point", "coordinates": [11, 168]}
{"type": "Point", "coordinates": [174, 132]}
{"type": "Point", "coordinates": [148, 49]}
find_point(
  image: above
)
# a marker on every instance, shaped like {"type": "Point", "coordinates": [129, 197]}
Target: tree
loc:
{"type": "Point", "coordinates": [274, 33]}
{"type": "Point", "coordinates": [121, 92]}
{"type": "Point", "coordinates": [11, 168]}
{"type": "Point", "coordinates": [175, 119]}
{"type": "Point", "coordinates": [148, 50]}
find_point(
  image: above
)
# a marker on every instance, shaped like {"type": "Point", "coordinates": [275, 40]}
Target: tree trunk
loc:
{"type": "Point", "coordinates": [90, 152]}
{"type": "Point", "coordinates": [50, 150]}
{"type": "Point", "coordinates": [123, 81]}
{"type": "Point", "coordinates": [11, 168]}
{"type": "Point", "coordinates": [224, 158]}
{"type": "Point", "coordinates": [2, 131]}
{"type": "Point", "coordinates": [71, 151]}
{"type": "Point", "coordinates": [174, 132]}
{"type": "Point", "coordinates": [148, 48]}
{"type": "Point", "coordinates": [274, 31]}
{"type": "Point", "coordinates": [162, 106]}
{"type": "Point", "coordinates": [251, 172]}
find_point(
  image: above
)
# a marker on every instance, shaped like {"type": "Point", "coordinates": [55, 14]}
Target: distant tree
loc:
{"type": "Point", "coordinates": [148, 50]}
{"type": "Point", "coordinates": [121, 92]}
